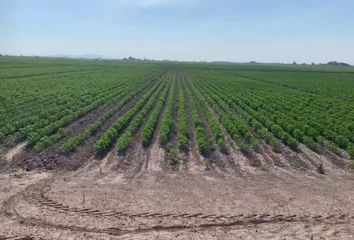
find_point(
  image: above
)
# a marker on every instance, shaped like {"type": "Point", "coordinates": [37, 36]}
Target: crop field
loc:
{"type": "Point", "coordinates": [167, 150]}
{"type": "Point", "coordinates": [62, 109]}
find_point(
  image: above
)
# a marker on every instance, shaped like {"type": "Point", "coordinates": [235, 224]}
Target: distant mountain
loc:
{"type": "Point", "coordinates": [87, 56]}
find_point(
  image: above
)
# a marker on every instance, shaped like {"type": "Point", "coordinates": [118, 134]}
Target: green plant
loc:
{"type": "Point", "coordinates": [295, 163]}
{"type": "Point", "coordinates": [182, 142]}
{"type": "Point", "coordinates": [350, 151]}
{"type": "Point", "coordinates": [309, 142]}
{"type": "Point", "coordinates": [207, 163]}
{"type": "Point", "coordinates": [292, 143]}
{"type": "Point", "coordinates": [351, 164]}
{"type": "Point", "coordinates": [172, 155]}
{"type": "Point", "coordinates": [2, 152]}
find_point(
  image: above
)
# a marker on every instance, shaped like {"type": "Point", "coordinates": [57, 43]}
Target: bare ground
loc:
{"type": "Point", "coordinates": [96, 203]}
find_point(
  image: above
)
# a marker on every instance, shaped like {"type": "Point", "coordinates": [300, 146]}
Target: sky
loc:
{"type": "Point", "coordinates": [187, 30]}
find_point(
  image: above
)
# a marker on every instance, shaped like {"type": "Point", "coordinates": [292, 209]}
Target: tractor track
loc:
{"type": "Point", "coordinates": [167, 221]}
{"type": "Point", "coordinates": [2, 237]}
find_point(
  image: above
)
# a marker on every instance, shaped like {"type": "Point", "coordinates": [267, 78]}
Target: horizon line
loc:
{"type": "Point", "coordinates": [101, 57]}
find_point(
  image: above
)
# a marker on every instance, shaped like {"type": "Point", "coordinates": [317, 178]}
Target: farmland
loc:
{"type": "Point", "coordinates": [77, 128]}
{"type": "Point", "coordinates": [65, 108]}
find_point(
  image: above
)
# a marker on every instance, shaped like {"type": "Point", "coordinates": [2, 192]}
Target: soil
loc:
{"type": "Point", "coordinates": [10, 155]}
{"type": "Point", "coordinates": [92, 203]}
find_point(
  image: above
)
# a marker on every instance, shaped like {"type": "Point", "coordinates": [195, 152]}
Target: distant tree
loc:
{"type": "Point", "coordinates": [294, 63]}
{"type": "Point", "coordinates": [340, 64]}
{"type": "Point", "coordinates": [133, 59]}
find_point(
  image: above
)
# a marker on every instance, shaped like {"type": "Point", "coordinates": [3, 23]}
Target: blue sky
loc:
{"type": "Point", "coordinates": [232, 30]}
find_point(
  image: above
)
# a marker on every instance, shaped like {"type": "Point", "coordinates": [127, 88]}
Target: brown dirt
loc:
{"type": "Point", "coordinates": [92, 203]}
{"type": "Point", "coordinates": [10, 155]}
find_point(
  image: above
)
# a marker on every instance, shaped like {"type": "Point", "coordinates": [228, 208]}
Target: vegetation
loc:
{"type": "Point", "coordinates": [112, 133]}
{"type": "Point", "coordinates": [182, 135]}
{"type": "Point", "coordinates": [63, 104]}
{"type": "Point", "coordinates": [167, 121]}
{"type": "Point", "coordinates": [124, 141]}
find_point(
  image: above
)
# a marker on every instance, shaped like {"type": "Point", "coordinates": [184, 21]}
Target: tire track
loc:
{"type": "Point", "coordinates": [45, 201]}
{"type": "Point", "coordinates": [149, 221]}
{"type": "Point", "coordinates": [2, 237]}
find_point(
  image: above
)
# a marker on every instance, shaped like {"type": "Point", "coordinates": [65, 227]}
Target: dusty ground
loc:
{"type": "Point", "coordinates": [97, 202]}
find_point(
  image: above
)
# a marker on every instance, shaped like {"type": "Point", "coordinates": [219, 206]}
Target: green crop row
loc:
{"type": "Point", "coordinates": [125, 139]}
{"type": "Point", "coordinates": [151, 123]}
{"type": "Point", "coordinates": [290, 115]}
{"type": "Point", "coordinates": [111, 134]}
{"type": "Point", "coordinates": [213, 123]}
{"type": "Point", "coordinates": [203, 142]}
{"type": "Point", "coordinates": [71, 144]}
{"type": "Point", "coordinates": [167, 120]}
{"type": "Point", "coordinates": [182, 136]}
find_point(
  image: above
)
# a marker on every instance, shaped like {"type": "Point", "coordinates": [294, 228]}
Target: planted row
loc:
{"type": "Point", "coordinates": [111, 134]}
{"type": "Point", "coordinates": [182, 135]}
{"type": "Point", "coordinates": [125, 139]}
{"type": "Point", "coordinates": [151, 123]}
{"type": "Point", "coordinates": [203, 142]}
{"type": "Point", "coordinates": [211, 119]}
{"type": "Point", "coordinates": [71, 144]}
{"type": "Point", "coordinates": [167, 120]}
{"type": "Point", "coordinates": [233, 102]}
